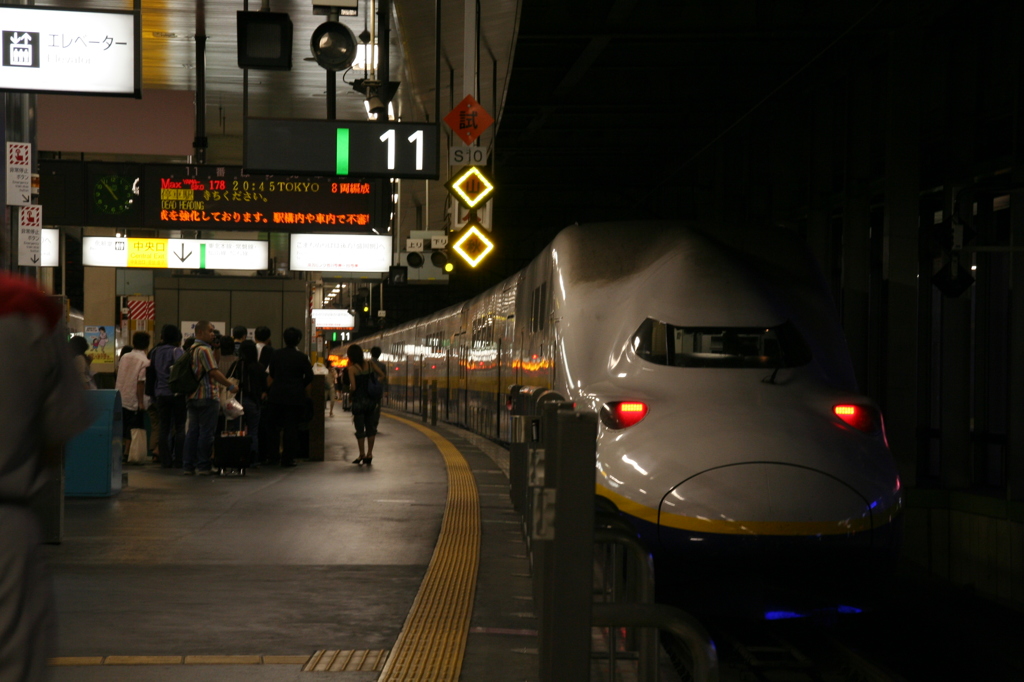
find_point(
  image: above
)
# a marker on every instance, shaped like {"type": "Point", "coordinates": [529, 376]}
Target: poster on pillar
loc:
{"type": "Point", "coordinates": [19, 173]}
{"type": "Point", "coordinates": [30, 229]}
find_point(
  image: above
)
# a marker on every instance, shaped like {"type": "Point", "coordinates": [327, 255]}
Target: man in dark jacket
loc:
{"type": "Point", "coordinates": [290, 374]}
{"type": "Point", "coordinates": [171, 408]}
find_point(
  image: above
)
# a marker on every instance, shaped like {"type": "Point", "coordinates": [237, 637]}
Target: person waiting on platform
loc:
{"type": "Point", "coordinates": [290, 373]}
{"type": "Point", "coordinates": [170, 406]}
{"type": "Point", "coordinates": [131, 382]}
{"type": "Point", "coordinates": [375, 359]}
{"type": "Point", "coordinates": [365, 409]}
{"type": "Point", "coordinates": [203, 405]}
{"type": "Point", "coordinates": [252, 389]}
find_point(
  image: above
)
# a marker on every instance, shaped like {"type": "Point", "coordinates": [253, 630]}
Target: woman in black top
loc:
{"type": "Point", "coordinates": [290, 374]}
{"type": "Point", "coordinates": [364, 407]}
{"type": "Point", "coordinates": [252, 389]}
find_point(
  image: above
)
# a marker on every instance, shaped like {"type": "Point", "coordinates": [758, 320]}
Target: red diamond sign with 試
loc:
{"type": "Point", "coordinates": [468, 119]}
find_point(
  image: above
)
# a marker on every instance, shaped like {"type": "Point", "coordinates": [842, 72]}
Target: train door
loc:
{"type": "Point", "coordinates": [458, 371]}
{"type": "Point", "coordinates": [447, 383]}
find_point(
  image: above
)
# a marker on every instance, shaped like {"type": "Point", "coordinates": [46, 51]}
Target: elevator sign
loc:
{"type": "Point", "coordinates": [58, 50]}
{"type": "Point", "coordinates": [176, 254]}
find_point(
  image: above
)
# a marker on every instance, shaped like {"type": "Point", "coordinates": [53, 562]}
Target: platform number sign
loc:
{"type": "Point", "coordinates": [358, 149]}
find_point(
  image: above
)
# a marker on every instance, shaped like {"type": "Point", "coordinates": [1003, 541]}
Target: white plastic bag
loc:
{"type": "Point", "coordinates": [232, 409]}
{"type": "Point", "coordinates": [137, 452]}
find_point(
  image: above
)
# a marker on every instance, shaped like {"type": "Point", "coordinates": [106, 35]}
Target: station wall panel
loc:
{"type": "Point", "coordinates": [252, 302]}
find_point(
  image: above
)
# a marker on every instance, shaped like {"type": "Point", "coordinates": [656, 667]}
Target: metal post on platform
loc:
{"type": "Point", "coordinates": [423, 402]}
{"type": "Point", "coordinates": [433, 402]}
{"type": "Point", "coordinates": [566, 527]}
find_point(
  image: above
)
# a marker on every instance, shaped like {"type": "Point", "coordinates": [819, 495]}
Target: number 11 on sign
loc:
{"type": "Point", "coordinates": [389, 138]}
{"type": "Point", "coordinates": [416, 138]}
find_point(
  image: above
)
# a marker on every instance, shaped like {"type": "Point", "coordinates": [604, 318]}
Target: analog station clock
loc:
{"type": "Point", "coordinates": [113, 194]}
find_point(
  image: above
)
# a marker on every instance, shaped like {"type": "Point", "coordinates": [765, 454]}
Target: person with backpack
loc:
{"type": "Point", "coordinates": [202, 404]}
{"type": "Point", "coordinates": [365, 381]}
{"type": "Point", "coordinates": [170, 407]}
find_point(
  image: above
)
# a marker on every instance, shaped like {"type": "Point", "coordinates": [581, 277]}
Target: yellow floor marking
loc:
{"type": "Point", "coordinates": [76, 660]}
{"type": "Point", "coordinates": [222, 660]}
{"type": "Point", "coordinates": [372, 659]}
{"type": "Point", "coordinates": [142, 660]}
{"type": "Point", "coordinates": [285, 660]}
{"type": "Point", "coordinates": [432, 643]}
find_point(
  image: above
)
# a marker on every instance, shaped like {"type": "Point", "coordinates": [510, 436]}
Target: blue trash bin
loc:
{"type": "Point", "coordinates": [92, 459]}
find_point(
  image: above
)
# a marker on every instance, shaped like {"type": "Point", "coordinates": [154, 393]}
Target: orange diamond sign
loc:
{"type": "Point", "coordinates": [468, 119]}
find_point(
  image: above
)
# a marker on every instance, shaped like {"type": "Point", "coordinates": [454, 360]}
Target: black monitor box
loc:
{"type": "Point", "coordinates": [265, 41]}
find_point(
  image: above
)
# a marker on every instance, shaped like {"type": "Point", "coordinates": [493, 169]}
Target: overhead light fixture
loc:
{"type": "Point", "coordinates": [333, 46]}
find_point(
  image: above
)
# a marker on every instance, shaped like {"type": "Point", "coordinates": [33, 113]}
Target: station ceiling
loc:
{"type": "Point", "coordinates": [601, 104]}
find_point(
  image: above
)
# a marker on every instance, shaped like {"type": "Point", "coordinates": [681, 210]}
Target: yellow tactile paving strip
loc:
{"type": "Point", "coordinates": [432, 643]}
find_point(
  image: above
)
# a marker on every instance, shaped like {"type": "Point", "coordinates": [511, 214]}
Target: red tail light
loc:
{"type": "Point", "coordinates": [621, 415]}
{"type": "Point", "coordinates": [861, 417]}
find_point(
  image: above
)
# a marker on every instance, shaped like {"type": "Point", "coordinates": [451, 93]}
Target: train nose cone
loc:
{"type": "Point", "coordinates": [764, 498]}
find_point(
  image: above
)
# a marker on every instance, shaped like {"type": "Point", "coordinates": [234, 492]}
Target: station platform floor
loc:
{"type": "Point", "coordinates": [412, 568]}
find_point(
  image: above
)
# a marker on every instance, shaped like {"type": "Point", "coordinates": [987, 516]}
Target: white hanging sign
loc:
{"type": "Point", "coordinates": [357, 253]}
{"type": "Point", "coordinates": [19, 173]}
{"type": "Point", "coordinates": [49, 248]}
{"type": "Point", "coordinates": [30, 226]}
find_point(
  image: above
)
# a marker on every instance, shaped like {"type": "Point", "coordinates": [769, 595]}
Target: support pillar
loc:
{"type": "Point", "coordinates": [901, 263]}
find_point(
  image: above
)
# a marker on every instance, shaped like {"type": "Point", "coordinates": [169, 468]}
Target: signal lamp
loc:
{"type": "Point", "coordinates": [623, 414]}
{"type": "Point", "coordinates": [473, 245]}
{"type": "Point", "coordinates": [439, 259]}
{"type": "Point", "coordinates": [414, 259]}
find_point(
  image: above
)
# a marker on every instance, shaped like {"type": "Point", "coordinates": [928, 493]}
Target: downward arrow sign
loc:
{"type": "Point", "coordinates": [182, 257]}
{"type": "Point", "coordinates": [35, 258]}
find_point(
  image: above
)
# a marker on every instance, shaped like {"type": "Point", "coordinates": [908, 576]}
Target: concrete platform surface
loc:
{"type": "Point", "coordinates": [285, 562]}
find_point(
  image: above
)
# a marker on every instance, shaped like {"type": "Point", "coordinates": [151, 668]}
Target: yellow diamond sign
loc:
{"type": "Point", "coordinates": [473, 245]}
{"type": "Point", "coordinates": [471, 187]}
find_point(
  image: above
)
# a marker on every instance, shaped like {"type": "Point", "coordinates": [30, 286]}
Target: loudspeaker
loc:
{"type": "Point", "coordinates": [264, 41]}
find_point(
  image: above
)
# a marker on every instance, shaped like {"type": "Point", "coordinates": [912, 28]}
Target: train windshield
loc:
{"type": "Point", "coordinates": [744, 347]}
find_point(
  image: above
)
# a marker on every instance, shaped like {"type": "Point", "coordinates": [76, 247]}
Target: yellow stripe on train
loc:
{"type": "Point", "coordinates": [733, 527]}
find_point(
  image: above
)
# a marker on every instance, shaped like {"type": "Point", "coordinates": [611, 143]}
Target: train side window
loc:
{"type": "Point", "coordinates": [736, 347]}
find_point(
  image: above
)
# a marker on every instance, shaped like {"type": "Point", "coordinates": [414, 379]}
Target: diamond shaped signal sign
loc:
{"type": "Point", "coordinates": [471, 187]}
{"type": "Point", "coordinates": [473, 245]}
{"type": "Point", "coordinates": [468, 119]}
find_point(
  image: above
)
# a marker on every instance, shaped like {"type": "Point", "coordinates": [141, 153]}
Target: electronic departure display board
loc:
{"type": "Point", "coordinates": [222, 197]}
{"type": "Point", "coordinates": [176, 197]}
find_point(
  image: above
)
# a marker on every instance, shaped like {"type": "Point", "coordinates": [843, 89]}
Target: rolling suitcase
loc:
{"type": "Point", "coordinates": [232, 448]}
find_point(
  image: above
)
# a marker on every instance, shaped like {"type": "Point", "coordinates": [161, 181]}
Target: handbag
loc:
{"type": "Point", "coordinates": [137, 451]}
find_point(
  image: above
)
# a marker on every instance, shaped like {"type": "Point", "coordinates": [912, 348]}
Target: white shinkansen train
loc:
{"type": "Point", "coordinates": [732, 434]}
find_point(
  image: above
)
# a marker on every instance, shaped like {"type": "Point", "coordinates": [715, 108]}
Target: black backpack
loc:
{"type": "Point", "coordinates": [374, 389]}
{"type": "Point", "coordinates": [182, 379]}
